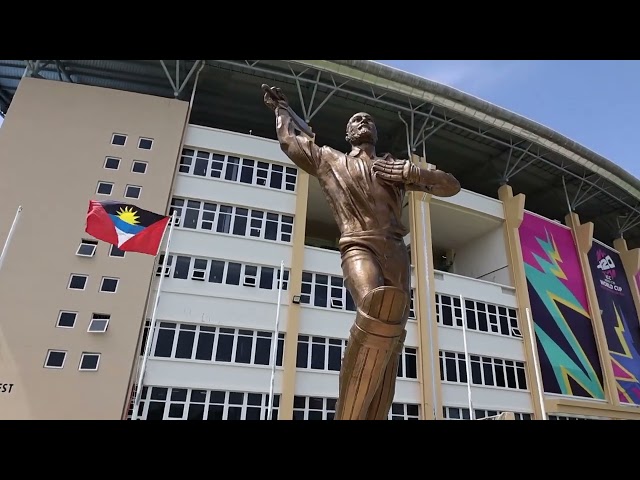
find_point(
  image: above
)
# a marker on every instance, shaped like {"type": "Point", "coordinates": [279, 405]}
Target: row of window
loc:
{"type": "Point", "coordinates": [120, 140]}
{"type": "Point", "coordinates": [221, 271]}
{"type": "Point", "coordinates": [232, 168]}
{"type": "Point", "coordinates": [89, 361]}
{"type": "Point", "coordinates": [79, 281]}
{"type": "Point", "coordinates": [137, 166]}
{"type": "Point", "coordinates": [250, 347]}
{"type": "Point", "coordinates": [167, 403]}
{"type": "Point", "coordinates": [480, 316]}
{"type": "Point", "coordinates": [130, 191]}
{"type": "Point", "coordinates": [488, 371]}
{"type": "Point", "coordinates": [322, 408]}
{"type": "Point", "coordinates": [98, 323]}
{"type": "Point", "coordinates": [570, 417]}
{"type": "Point", "coordinates": [321, 353]}
{"type": "Point", "coordinates": [171, 403]}
{"type": "Point", "coordinates": [461, 413]}
{"type": "Point", "coordinates": [329, 291]}
{"type": "Point", "coordinates": [319, 290]}
{"type": "Point", "coordinates": [215, 344]}
{"type": "Point", "coordinates": [232, 220]}
{"type": "Point", "coordinates": [87, 248]}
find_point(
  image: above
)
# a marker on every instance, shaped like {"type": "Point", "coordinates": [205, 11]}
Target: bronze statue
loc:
{"type": "Point", "coordinates": [365, 193]}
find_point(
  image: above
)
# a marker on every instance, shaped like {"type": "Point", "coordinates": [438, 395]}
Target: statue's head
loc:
{"type": "Point", "coordinates": [361, 129]}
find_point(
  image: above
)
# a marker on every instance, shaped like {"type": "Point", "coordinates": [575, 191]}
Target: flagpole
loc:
{"type": "Point", "coordinates": [274, 346]}
{"type": "Point", "coordinates": [152, 326]}
{"type": "Point", "coordinates": [10, 235]}
{"type": "Point", "coordinates": [466, 357]}
{"type": "Point", "coordinates": [536, 365]}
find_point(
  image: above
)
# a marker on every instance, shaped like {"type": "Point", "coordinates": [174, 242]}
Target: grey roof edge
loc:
{"type": "Point", "coordinates": [370, 68]}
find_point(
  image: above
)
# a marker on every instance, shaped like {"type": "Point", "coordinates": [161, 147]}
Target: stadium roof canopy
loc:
{"type": "Point", "coordinates": [482, 144]}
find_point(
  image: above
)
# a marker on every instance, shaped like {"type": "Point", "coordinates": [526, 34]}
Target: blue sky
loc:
{"type": "Point", "coordinates": [593, 102]}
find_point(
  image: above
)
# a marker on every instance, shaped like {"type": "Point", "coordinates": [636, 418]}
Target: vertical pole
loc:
{"type": "Point", "coordinates": [10, 236]}
{"type": "Point", "coordinates": [466, 358]}
{"type": "Point", "coordinates": [274, 346]}
{"type": "Point", "coordinates": [152, 326]}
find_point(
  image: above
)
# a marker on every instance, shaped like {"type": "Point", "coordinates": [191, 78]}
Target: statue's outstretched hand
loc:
{"type": "Point", "coordinates": [273, 97]}
{"type": "Point", "coordinates": [392, 170]}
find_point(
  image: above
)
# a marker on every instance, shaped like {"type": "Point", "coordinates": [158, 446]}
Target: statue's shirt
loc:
{"type": "Point", "coordinates": [361, 204]}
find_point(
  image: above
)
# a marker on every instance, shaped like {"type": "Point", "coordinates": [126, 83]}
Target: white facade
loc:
{"type": "Point", "coordinates": [235, 200]}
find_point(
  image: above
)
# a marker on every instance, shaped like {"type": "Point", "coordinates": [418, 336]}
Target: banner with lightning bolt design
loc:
{"type": "Point", "coordinates": [566, 344]}
{"type": "Point", "coordinates": [126, 226]}
{"type": "Point", "coordinates": [619, 319]}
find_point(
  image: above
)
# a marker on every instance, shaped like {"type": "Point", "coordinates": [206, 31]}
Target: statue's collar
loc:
{"type": "Point", "coordinates": [358, 152]}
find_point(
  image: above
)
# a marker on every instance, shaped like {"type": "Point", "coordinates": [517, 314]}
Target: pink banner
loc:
{"type": "Point", "coordinates": [569, 360]}
{"type": "Point", "coordinates": [545, 239]}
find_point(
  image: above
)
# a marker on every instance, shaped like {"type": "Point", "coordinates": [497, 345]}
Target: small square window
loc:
{"type": "Point", "coordinates": [112, 163]}
{"type": "Point", "coordinates": [87, 248]}
{"type": "Point", "coordinates": [145, 143]}
{"type": "Point", "coordinates": [55, 359]}
{"type": "Point", "coordinates": [104, 188]}
{"type": "Point", "coordinates": [139, 167]}
{"type": "Point", "coordinates": [132, 191]}
{"type": "Point", "coordinates": [118, 139]}
{"type": "Point", "coordinates": [78, 282]}
{"type": "Point", "coordinates": [109, 285]}
{"type": "Point", "coordinates": [89, 361]}
{"type": "Point", "coordinates": [67, 319]}
{"type": "Point", "coordinates": [99, 323]}
{"type": "Point", "coordinates": [116, 252]}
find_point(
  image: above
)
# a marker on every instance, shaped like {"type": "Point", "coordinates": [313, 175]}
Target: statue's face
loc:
{"type": "Point", "coordinates": [361, 129]}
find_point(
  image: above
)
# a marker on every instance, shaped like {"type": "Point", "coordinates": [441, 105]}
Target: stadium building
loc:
{"type": "Point", "coordinates": [525, 284]}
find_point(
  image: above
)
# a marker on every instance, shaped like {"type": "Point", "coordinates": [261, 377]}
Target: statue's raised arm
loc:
{"type": "Point", "coordinates": [300, 148]}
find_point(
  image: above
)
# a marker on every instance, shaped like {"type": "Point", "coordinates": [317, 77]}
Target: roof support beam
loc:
{"type": "Point", "coordinates": [63, 71]}
{"type": "Point", "coordinates": [176, 85]}
{"type": "Point", "coordinates": [631, 221]}
{"type": "Point", "coordinates": [420, 139]}
{"type": "Point", "coordinates": [307, 112]}
{"type": "Point", "coordinates": [442, 119]}
{"type": "Point", "coordinates": [5, 100]}
{"type": "Point", "coordinates": [33, 68]}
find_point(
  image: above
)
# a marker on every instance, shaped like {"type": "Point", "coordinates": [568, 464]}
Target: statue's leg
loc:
{"type": "Point", "coordinates": [379, 326]}
{"type": "Point", "coordinates": [396, 269]}
{"type": "Point", "coordinates": [383, 398]}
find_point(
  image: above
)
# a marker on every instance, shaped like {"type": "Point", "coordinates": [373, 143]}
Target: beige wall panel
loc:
{"type": "Point", "coordinates": [53, 146]}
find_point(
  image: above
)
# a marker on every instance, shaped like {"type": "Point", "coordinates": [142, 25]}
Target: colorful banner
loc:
{"type": "Point", "coordinates": [566, 344]}
{"type": "Point", "coordinates": [619, 318]}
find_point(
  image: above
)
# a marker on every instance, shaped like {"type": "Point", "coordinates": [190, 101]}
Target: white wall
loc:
{"type": "Point", "coordinates": [469, 200]}
{"type": "Point", "coordinates": [325, 384]}
{"type": "Point", "coordinates": [484, 258]}
{"type": "Point", "coordinates": [486, 398]}
{"type": "Point", "coordinates": [210, 376]}
{"type": "Point", "coordinates": [234, 143]}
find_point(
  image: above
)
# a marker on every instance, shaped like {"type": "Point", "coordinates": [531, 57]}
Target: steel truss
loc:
{"type": "Point", "coordinates": [521, 153]}
{"type": "Point", "coordinates": [176, 85]}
